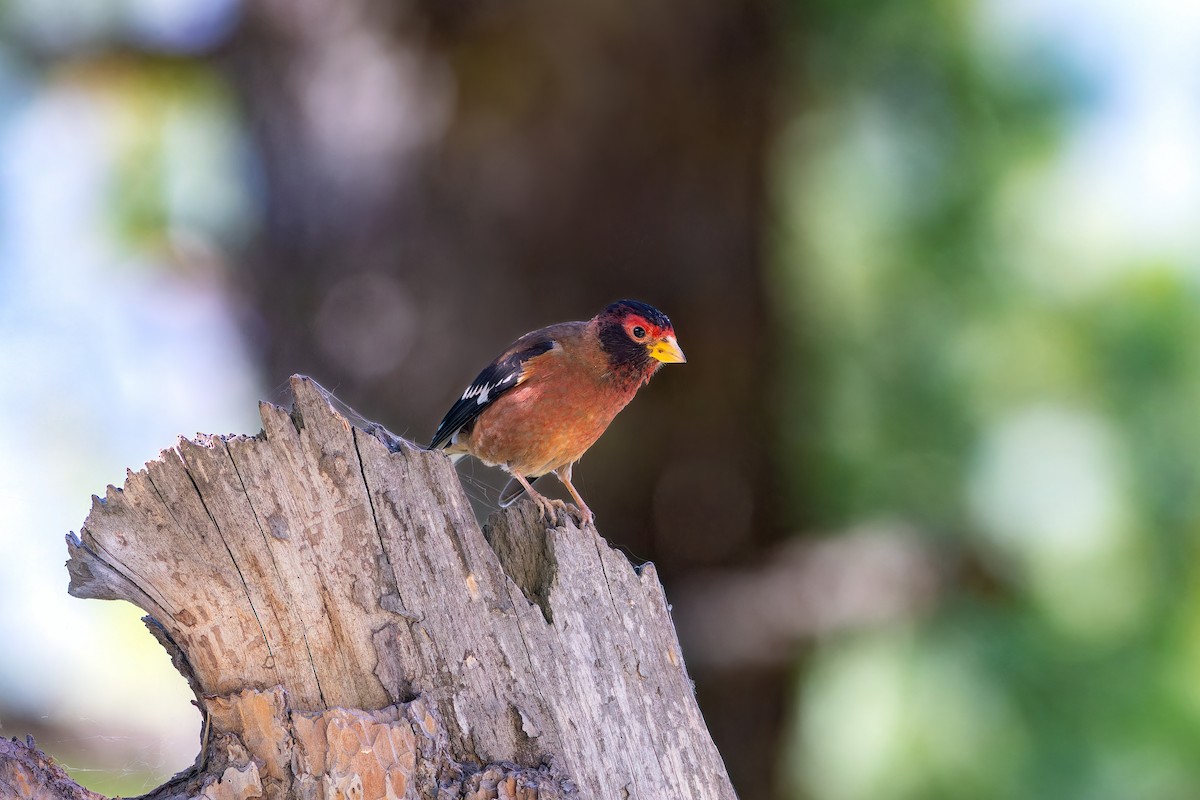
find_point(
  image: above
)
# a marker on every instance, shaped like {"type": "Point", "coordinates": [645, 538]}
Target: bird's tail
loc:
{"type": "Point", "coordinates": [513, 490]}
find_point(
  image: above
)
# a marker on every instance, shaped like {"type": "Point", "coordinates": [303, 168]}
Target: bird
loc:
{"type": "Point", "coordinates": [539, 406]}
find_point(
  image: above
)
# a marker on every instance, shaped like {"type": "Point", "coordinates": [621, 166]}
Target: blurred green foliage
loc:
{"type": "Point", "coordinates": [958, 367]}
{"type": "Point", "coordinates": [891, 177]}
{"type": "Point", "coordinates": [177, 142]}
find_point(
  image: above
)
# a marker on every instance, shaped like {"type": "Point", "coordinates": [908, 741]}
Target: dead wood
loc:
{"type": "Point", "coordinates": [351, 631]}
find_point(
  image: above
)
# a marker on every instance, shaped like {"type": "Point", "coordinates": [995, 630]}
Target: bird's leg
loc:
{"type": "Point", "coordinates": [546, 506]}
{"type": "Point", "coordinates": [586, 516]}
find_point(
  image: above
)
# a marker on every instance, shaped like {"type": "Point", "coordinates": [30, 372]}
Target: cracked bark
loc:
{"type": "Point", "coordinates": [349, 628]}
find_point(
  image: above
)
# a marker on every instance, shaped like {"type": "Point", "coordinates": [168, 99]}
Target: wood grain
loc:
{"type": "Point", "coordinates": [349, 627]}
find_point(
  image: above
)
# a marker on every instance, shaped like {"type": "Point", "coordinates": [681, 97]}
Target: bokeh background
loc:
{"type": "Point", "coordinates": [924, 497]}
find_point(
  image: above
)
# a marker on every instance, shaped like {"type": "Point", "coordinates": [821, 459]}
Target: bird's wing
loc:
{"type": "Point", "coordinates": [508, 371]}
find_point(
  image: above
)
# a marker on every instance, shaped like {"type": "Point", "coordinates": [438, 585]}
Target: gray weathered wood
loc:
{"type": "Point", "coordinates": [346, 569]}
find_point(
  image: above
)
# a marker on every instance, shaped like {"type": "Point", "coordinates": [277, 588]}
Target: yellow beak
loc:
{"type": "Point", "coordinates": [667, 351]}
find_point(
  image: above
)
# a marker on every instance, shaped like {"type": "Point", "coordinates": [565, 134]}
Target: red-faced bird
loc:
{"type": "Point", "coordinates": [545, 400]}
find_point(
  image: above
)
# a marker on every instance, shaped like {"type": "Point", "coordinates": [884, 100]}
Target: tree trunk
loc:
{"type": "Point", "coordinates": [350, 631]}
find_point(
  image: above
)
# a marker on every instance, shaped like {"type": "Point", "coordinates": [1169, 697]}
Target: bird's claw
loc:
{"type": "Point", "coordinates": [549, 508]}
{"type": "Point", "coordinates": [583, 516]}
{"type": "Point", "coordinates": [586, 517]}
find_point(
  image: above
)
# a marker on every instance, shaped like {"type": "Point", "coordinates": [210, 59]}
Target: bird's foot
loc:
{"type": "Point", "coordinates": [548, 509]}
{"type": "Point", "coordinates": [584, 515]}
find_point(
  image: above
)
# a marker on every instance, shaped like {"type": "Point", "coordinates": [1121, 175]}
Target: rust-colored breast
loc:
{"type": "Point", "coordinates": [558, 412]}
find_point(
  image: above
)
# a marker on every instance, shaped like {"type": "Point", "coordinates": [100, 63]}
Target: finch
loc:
{"type": "Point", "coordinates": [539, 406]}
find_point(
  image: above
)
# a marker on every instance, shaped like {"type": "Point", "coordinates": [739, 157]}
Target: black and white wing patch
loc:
{"type": "Point", "coordinates": [500, 376]}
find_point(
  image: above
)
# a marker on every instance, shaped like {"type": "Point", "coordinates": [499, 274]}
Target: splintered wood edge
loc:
{"type": "Point", "coordinates": [96, 574]}
{"type": "Point", "coordinates": [528, 561]}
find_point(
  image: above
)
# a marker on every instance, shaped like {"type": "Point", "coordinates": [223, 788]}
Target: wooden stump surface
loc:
{"type": "Point", "coordinates": [319, 577]}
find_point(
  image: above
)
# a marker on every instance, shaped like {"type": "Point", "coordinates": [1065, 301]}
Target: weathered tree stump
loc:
{"type": "Point", "coordinates": [350, 631]}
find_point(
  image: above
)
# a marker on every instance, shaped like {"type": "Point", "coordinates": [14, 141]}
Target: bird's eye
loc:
{"type": "Point", "coordinates": [639, 332]}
